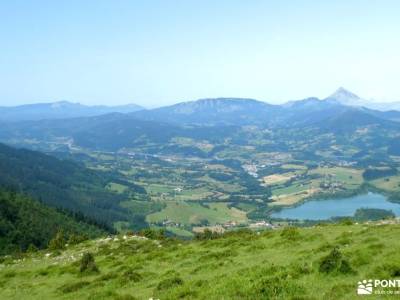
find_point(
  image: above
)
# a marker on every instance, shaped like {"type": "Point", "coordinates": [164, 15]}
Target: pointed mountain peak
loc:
{"type": "Point", "coordinates": [341, 94]}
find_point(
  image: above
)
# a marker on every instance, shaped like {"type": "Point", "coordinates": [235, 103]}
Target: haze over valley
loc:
{"type": "Point", "coordinates": [164, 150]}
{"type": "Point", "coordinates": [246, 158]}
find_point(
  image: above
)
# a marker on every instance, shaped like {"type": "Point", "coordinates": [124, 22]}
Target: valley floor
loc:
{"type": "Point", "coordinates": [321, 262]}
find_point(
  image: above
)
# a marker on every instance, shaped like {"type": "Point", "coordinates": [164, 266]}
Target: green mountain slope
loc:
{"type": "Point", "coordinates": [25, 222]}
{"type": "Point", "coordinates": [62, 183]}
{"type": "Point", "coordinates": [322, 262]}
{"type": "Point", "coordinates": [213, 120]}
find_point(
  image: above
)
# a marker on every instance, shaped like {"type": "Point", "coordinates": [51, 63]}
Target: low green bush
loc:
{"type": "Point", "coordinates": [75, 239]}
{"type": "Point", "coordinates": [88, 265]}
{"type": "Point", "coordinates": [335, 262]}
{"type": "Point", "coordinates": [169, 283]}
{"type": "Point", "coordinates": [130, 276]}
{"type": "Point", "coordinates": [58, 242]}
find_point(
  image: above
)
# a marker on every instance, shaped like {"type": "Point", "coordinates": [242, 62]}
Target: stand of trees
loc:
{"type": "Point", "coordinates": [64, 184]}
{"type": "Point", "coordinates": [27, 223]}
{"type": "Point", "coordinates": [372, 173]}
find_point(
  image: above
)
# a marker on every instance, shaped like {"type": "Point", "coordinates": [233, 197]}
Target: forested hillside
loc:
{"type": "Point", "coordinates": [62, 183]}
{"type": "Point", "coordinates": [28, 223]}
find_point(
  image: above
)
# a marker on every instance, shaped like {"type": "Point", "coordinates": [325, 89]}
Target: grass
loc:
{"type": "Point", "coordinates": [290, 199]}
{"type": "Point", "coordinates": [193, 213]}
{"type": "Point", "coordinates": [295, 187]}
{"type": "Point", "coordinates": [229, 213]}
{"type": "Point", "coordinates": [277, 178]}
{"type": "Point", "coordinates": [142, 207]}
{"type": "Point", "coordinates": [294, 166]}
{"type": "Point", "coordinates": [182, 141]}
{"type": "Point", "coordinates": [352, 178]}
{"type": "Point", "coordinates": [322, 262]}
{"type": "Point", "coordinates": [389, 184]}
{"type": "Point", "coordinates": [219, 185]}
{"type": "Point", "coordinates": [158, 188]}
{"type": "Point", "coordinates": [295, 192]}
{"type": "Point", "coordinates": [179, 232]}
{"type": "Point", "coordinates": [170, 193]}
{"type": "Point", "coordinates": [193, 194]}
{"type": "Point", "coordinates": [301, 189]}
{"type": "Point", "coordinates": [116, 187]}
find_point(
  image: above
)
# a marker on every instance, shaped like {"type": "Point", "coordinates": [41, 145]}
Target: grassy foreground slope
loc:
{"type": "Point", "coordinates": [322, 262]}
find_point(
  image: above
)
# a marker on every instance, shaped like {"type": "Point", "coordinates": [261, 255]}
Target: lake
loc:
{"type": "Point", "coordinates": [338, 207]}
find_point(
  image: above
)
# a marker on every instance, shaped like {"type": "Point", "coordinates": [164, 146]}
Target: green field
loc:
{"type": "Point", "coordinates": [179, 232]}
{"type": "Point", "coordinates": [189, 213]}
{"type": "Point", "coordinates": [352, 178]}
{"type": "Point", "coordinates": [279, 264]}
{"type": "Point", "coordinates": [293, 188]}
{"type": "Point", "coordinates": [389, 184]}
{"type": "Point", "coordinates": [294, 166]}
{"type": "Point", "coordinates": [116, 187]}
{"type": "Point", "coordinates": [158, 188]}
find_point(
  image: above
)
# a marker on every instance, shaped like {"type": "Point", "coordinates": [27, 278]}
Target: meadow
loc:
{"type": "Point", "coordinates": [274, 264]}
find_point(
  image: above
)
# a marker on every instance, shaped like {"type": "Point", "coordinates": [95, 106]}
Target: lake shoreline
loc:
{"type": "Point", "coordinates": [326, 208]}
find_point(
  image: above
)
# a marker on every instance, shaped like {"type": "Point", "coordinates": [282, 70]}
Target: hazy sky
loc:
{"type": "Point", "coordinates": [162, 52]}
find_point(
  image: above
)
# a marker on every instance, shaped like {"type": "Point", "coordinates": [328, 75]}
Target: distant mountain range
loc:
{"type": "Point", "coordinates": [214, 120]}
{"type": "Point", "coordinates": [238, 111]}
{"type": "Point", "coordinates": [60, 110]}
{"type": "Point", "coordinates": [242, 111]}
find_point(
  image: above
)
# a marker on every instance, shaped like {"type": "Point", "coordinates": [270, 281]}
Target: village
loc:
{"type": "Point", "coordinates": [224, 227]}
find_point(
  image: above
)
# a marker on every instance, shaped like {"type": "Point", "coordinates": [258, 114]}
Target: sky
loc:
{"type": "Point", "coordinates": [156, 53]}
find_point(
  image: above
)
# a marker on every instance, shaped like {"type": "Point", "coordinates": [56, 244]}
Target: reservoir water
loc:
{"type": "Point", "coordinates": [338, 207]}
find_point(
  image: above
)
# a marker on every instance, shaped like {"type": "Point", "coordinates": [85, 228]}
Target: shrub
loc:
{"type": "Point", "coordinates": [299, 269]}
{"type": "Point", "coordinates": [169, 283]}
{"type": "Point", "coordinates": [345, 267]}
{"type": "Point", "coordinates": [43, 272]}
{"type": "Point", "coordinates": [391, 269]}
{"type": "Point", "coordinates": [31, 248]}
{"type": "Point", "coordinates": [153, 233]}
{"type": "Point", "coordinates": [334, 262]}
{"type": "Point", "coordinates": [75, 239]}
{"type": "Point", "coordinates": [130, 276]}
{"type": "Point", "coordinates": [9, 274]}
{"type": "Point", "coordinates": [88, 265]}
{"type": "Point", "coordinates": [58, 242]}
{"type": "Point", "coordinates": [331, 262]}
{"type": "Point", "coordinates": [346, 221]}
